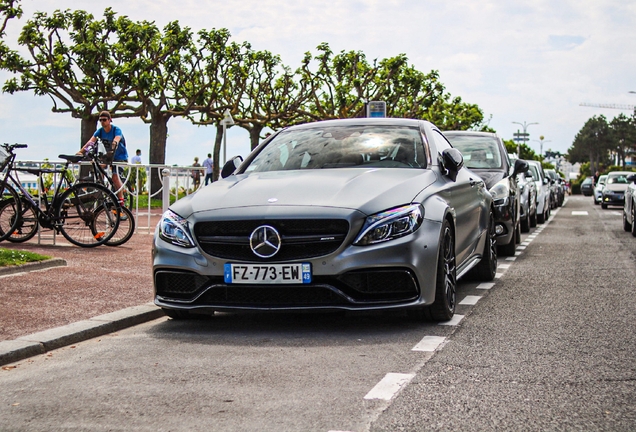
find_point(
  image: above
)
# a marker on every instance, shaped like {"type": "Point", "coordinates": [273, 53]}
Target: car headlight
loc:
{"type": "Point", "coordinates": [500, 192]}
{"type": "Point", "coordinates": [390, 224]}
{"type": "Point", "coordinates": [174, 229]}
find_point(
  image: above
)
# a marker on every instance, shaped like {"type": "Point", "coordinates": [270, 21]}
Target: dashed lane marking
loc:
{"type": "Point", "coordinates": [511, 258]}
{"type": "Point", "coordinates": [485, 285]}
{"type": "Point", "coordinates": [389, 386]}
{"type": "Point", "coordinates": [429, 343]}
{"type": "Point", "coordinates": [453, 321]}
{"type": "Point", "coordinates": [579, 213]}
{"type": "Point", "coordinates": [470, 300]}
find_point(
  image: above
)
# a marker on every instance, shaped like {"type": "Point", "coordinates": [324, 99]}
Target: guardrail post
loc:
{"type": "Point", "coordinates": [165, 193]}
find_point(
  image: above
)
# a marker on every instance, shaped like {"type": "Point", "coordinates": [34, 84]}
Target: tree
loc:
{"type": "Point", "coordinates": [592, 143]}
{"type": "Point", "coordinates": [526, 152]}
{"type": "Point", "coordinates": [71, 60]}
{"type": "Point", "coordinates": [623, 136]}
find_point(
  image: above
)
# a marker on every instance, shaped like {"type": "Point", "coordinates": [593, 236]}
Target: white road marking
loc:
{"type": "Point", "coordinates": [511, 258]}
{"type": "Point", "coordinates": [526, 243]}
{"type": "Point", "coordinates": [518, 253]}
{"type": "Point", "coordinates": [455, 320]}
{"type": "Point", "coordinates": [616, 213]}
{"type": "Point", "coordinates": [389, 386]}
{"type": "Point", "coordinates": [470, 300]}
{"type": "Point", "coordinates": [498, 275]}
{"type": "Point", "coordinates": [579, 213]}
{"type": "Point", "coordinates": [429, 343]}
{"type": "Point", "coordinates": [502, 266]}
{"type": "Point", "coordinates": [520, 247]}
{"type": "Point", "coordinates": [485, 285]}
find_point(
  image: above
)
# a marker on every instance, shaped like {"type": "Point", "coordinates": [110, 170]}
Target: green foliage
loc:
{"type": "Point", "coordinates": [9, 257]}
{"type": "Point", "coordinates": [526, 152]}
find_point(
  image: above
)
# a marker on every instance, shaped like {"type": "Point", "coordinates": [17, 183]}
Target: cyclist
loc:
{"type": "Point", "coordinates": [115, 144]}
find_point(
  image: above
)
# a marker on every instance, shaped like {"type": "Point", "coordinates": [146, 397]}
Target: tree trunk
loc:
{"type": "Point", "coordinates": [88, 128]}
{"type": "Point", "coordinates": [218, 142]}
{"type": "Point", "coordinates": [157, 153]}
{"type": "Point", "coordinates": [255, 135]}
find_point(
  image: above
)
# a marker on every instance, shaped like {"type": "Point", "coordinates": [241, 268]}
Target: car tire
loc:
{"type": "Point", "coordinates": [627, 227]}
{"type": "Point", "coordinates": [634, 219]}
{"type": "Point", "coordinates": [508, 249]}
{"type": "Point", "coordinates": [518, 234]}
{"type": "Point", "coordinates": [443, 307]}
{"type": "Point", "coordinates": [604, 206]}
{"type": "Point", "coordinates": [487, 268]}
{"type": "Point", "coordinates": [525, 224]}
{"type": "Point", "coordinates": [533, 219]}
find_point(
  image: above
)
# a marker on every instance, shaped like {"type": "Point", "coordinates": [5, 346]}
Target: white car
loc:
{"type": "Point", "coordinates": [543, 190]}
{"type": "Point", "coordinates": [598, 189]}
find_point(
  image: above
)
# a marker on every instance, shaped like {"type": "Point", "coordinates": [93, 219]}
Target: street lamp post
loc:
{"type": "Point", "coordinates": [524, 138]}
{"type": "Point", "coordinates": [541, 141]}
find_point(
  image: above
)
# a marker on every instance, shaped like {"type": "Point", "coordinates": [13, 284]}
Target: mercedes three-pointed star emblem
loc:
{"type": "Point", "coordinates": [265, 241]}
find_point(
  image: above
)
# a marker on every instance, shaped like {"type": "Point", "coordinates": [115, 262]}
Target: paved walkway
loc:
{"type": "Point", "coordinates": [110, 287]}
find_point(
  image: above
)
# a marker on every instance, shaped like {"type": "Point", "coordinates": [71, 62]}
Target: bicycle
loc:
{"type": "Point", "coordinates": [99, 175]}
{"type": "Point", "coordinates": [80, 211]}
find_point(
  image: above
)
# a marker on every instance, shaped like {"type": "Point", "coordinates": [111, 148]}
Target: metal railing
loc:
{"type": "Point", "coordinates": [176, 181]}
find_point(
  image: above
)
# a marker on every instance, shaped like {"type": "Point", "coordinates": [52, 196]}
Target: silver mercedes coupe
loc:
{"type": "Point", "coordinates": [356, 214]}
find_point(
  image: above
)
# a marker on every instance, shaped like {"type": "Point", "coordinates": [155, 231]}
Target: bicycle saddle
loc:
{"type": "Point", "coordinates": [71, 158]}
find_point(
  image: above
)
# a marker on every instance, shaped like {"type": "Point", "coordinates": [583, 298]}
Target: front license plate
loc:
{"type": "Point", "coordinates": [267, 273]}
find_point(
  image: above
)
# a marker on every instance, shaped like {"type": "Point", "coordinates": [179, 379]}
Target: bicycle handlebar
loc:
{"type": "Point", "coordinates": [10, 147]}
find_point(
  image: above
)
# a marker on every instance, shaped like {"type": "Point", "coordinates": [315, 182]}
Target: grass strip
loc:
{"type": "Point", "coordinates": [9, 257]}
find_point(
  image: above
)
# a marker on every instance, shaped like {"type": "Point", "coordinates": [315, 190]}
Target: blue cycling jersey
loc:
{"type": "Point", "coordinates": [121, 154]}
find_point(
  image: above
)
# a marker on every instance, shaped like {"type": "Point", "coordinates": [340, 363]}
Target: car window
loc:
{"type": "Point", "coordinates": [440, 141]}
{"type": "Point", "coordinates": [342, 147]}
{"type": "Point", "coordinates": [479, 151]}
{"type": "Point", "coordinates": [587, 181]}
{"type": "Point", "coordinates": [535, 172]}
{"type": "Point", "coordinates": [619, 179]}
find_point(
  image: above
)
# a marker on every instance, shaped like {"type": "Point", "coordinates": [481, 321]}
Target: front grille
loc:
{"type": "Point", "coordinates": [300, 238]}
{"type": "Point", "coordinates": [356, 288]}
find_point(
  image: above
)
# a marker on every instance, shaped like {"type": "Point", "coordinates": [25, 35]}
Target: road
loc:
{"type": "Point", "coordinates": [549, 345]}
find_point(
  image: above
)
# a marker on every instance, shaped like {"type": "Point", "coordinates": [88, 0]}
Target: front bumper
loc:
{"type": "Point", "coordinates": [504, 224]}
{"type": "Point", "coordinates": [395, 274]}
{"type": "Point", "coordinates": [615, 199]}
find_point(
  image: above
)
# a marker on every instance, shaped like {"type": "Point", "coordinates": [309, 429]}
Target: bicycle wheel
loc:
{"type": "Point", "coordinates": [9, 218]}
{"type": "Point", "coordinates": [126, 228]}
{"type": "Point", "coordinates": [79, 217]}
{"type": "Point", "coordinates": [27, 225]}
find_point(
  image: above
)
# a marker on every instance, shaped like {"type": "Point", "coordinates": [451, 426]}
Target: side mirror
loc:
{"type": "Point", "coordinates": [452, 162]}
{"type": "Point", "coordinates": [545, 181]}
{"type": "Point", "coordinates": [520, 166]}
{"type": "Point", "coordinates": [231, 166]}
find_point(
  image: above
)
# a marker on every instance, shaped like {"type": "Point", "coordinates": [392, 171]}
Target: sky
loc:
{"type": "Point", "coordinates": [525, 62]}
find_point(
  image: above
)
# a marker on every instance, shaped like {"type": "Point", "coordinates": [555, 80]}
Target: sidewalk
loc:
{"type": "Point", "coordinates": [110, 287]}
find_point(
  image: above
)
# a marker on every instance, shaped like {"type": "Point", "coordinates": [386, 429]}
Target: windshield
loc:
{"type": "Point", "coordinates": [478, 151]}
{"type": "Point", "coordinates": [342, 147]}
{"type": "Point", "coordinates": [622, 179]}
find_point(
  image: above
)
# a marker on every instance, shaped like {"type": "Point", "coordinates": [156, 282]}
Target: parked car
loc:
{"type": "Point", "coordinates": [629, 208]}
{"type": "Point", "coordinates": [486, 155]}
{"type": "Point", "coordinates": [356, 214]}
{"type": "Point", "coordinates": [598, 188]}
{"type": "Point", "coordinates": [543, 191]}
{"type": "Point", "coordinates": [557, 188]}
{"type": "Point", "coordinates": [614, 190]}
{"type": "Point", "coordinates": [587, 186]}
{"type": "Point", "coordinates": [528, 200]}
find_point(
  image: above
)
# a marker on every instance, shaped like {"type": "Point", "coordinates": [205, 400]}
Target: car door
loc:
{"type": "Point", "coordinates": [467, 197]}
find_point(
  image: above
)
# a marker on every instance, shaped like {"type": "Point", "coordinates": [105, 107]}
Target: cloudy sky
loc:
{"type": "Point", "coordinates": [529, 61]}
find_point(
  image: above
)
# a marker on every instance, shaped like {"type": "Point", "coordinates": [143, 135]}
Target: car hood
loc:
{"type": "Point", "coordinates": [489, 177]}
{"type": "Point", "coordinates": [367, 190]}
{"type": "Point", "coordinates": [616, 187]}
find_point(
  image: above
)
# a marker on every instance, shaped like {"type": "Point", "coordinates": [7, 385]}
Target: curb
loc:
{"type": "Point", "coordinates": [47, 340]}
{"type": "Point", "coordinates": [31, 266]}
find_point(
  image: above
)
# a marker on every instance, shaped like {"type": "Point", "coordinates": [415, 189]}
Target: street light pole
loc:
{"type": "Point", "coordinates": [524, 125]}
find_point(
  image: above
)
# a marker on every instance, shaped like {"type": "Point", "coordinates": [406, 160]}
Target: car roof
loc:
{"type": "Point", "coordinates": [363, 121]}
